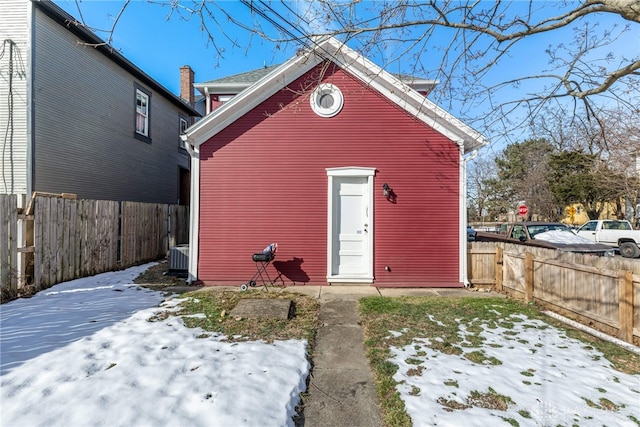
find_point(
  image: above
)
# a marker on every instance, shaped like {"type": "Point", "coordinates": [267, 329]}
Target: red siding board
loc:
{"type": "Point", "coordinates": [263, 179]}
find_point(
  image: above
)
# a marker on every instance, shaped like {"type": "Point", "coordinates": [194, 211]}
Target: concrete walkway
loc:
{"type": "Point", "coordinates": [341, 391]}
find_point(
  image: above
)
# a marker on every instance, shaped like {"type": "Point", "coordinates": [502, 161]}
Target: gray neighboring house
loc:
{"type": "Point", "coordinates": [77, 117]}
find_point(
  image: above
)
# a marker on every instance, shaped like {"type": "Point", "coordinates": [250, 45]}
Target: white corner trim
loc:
{"type": "Point", "coordinates": [194, 213]}
{"type": "Point", "coordinates": [463, 222]}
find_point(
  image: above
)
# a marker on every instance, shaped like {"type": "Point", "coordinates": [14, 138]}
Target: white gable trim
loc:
{"type": "Point", "coordinates": [404, 96]}
{"type": "Point", "coordinates": [357, 65]}
{"type": "Point", "coordinates": [242, 103]}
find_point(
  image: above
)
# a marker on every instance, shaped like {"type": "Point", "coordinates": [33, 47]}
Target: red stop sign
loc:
{"type": "Point", "coordinates": [523, 210]}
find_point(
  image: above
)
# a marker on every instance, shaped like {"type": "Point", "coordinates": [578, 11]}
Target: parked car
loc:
{"type": "Point", "coordinates": [614, 233]}
{"type": "Point", "coordinates": [471, 234]}
{"type": "Point", "coordinates": [551, 235]}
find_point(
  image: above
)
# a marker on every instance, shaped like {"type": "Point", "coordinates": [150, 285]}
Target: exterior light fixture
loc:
{"type": "Point", "coordinates": [386, 190]}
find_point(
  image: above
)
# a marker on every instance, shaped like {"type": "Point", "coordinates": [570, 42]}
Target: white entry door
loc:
{"type": "Point", "coordinates": [350, 225]}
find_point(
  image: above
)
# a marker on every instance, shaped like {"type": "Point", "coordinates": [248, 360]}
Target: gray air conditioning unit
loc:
{"type": "Point", "coordinates": [179, 260]}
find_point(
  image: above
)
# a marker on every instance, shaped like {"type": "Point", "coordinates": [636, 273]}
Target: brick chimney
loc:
{"type": "Point", "coordinates": [186, 85]}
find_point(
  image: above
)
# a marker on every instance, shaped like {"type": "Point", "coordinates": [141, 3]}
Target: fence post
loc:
{"type": "Point", "coordinates": [528, 276]}
{"type": "Point", "coordinates": [499, 264]}
{"type": "Point", "coordinates": [9, 244]}
{"type": "Point", "coordinates": [625, 305]}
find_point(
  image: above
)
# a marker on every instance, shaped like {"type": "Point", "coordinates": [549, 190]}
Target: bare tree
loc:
{"type": "Point", "coordinates": [522, 170]}
{"type": "Point", "coordinates": [479, 172]}
{"type": "Point", "coordinates": [498, 63]}
{"type": "Point", "coordinates": [614, 145]}
{"type": "Point", "coordinates": [622, 154]}
{"type": "Point", "coordinates": [589, 51]}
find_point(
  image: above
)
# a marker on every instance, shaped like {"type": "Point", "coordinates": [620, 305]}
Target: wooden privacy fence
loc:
{"type": "Point", "coordinates": [8, 243]}
{"type": "Point", "coordinates": [601, 292]}
{"type": "Point", "coordinates": [70, 238]}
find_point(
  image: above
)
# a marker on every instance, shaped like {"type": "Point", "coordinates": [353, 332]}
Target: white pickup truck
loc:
{"type": "Point", "coordinates": [616, 233]}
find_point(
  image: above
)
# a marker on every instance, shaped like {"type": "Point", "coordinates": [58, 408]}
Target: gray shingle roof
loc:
{"type": "Point", "coordinates": [238, 82]}
{"type": "Point", "coordinates": [248, 77]}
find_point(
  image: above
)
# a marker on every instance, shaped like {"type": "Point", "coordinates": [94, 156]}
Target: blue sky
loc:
{"type": "Point", "coordinates": [160, 45]}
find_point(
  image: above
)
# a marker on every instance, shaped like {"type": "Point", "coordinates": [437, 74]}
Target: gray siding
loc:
{"type": "Point", "coordinates": [84, 125]}
{"type": "Point", "coordinates": [14, 27]}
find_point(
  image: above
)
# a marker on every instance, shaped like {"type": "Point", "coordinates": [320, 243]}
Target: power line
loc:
{"type": "Point", "coordinates": [262, 13]}
{"type": "Point", "coordinates": [304, 38]}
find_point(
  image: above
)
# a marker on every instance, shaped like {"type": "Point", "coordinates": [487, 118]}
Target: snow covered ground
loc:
{"type": "Point", "coordinates": [548, 378]}
{"type": "Point", "coordinates": [84, 353]}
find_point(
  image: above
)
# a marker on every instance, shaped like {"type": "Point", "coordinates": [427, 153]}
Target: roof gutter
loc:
{"type": "Point", "coordinates": [230, 88]}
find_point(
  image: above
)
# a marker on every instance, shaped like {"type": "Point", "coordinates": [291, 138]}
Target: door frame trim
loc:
{"type": "Point", "coordinates": [351, 171]}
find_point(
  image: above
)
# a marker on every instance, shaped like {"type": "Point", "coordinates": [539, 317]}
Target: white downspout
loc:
{"type": "Point", "coordinates": [464, 222]}
{"type": "Point", "coordinates": [194, 209]}
{"type": "Point", "coordinates": [207, 100]}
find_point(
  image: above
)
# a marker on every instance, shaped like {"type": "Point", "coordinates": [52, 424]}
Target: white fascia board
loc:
{"type": "Point", "coordinates": [242, 103]}
{"type": "Point", "coordinates": [406, 97]}
{"type": "Point", "coordinates": [222, 88]}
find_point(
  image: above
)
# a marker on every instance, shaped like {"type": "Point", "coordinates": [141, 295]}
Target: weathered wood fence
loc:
{"type": "Point", "coordinates": [64, 239]}
{"type": "Point", "coordinates": [601, 292]}
{"type": "Point", "coordinates": [8, 243]}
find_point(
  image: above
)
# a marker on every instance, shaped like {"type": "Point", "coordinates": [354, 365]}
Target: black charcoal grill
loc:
{"type": "Point", "coordinates": [262, 261]}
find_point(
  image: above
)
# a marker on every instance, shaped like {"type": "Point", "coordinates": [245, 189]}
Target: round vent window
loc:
{"type": "Point", "coordinates": [327, 100]}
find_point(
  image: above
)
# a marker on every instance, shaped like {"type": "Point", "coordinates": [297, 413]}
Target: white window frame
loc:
{"type": "Point", "coordinates": [183, 124]}
{"type": "Point", "coordinates": [326, 89]}
{"type": "Point", "coordinates": [144, 113]}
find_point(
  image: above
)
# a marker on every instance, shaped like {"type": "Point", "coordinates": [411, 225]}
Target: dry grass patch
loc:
{"type": "Point", "coordinates": [216, 306]}
{"type": "Point", "coordinates": [157, 276]}
{"type": "Point", "coordinates": [209, 308]}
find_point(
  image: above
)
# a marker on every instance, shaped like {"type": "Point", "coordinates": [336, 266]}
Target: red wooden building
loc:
{"type": "Point", "coordinates": [358, 178]}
